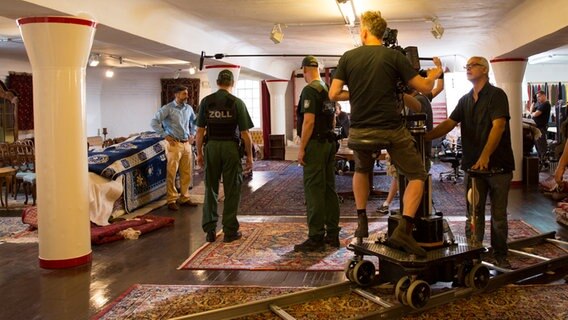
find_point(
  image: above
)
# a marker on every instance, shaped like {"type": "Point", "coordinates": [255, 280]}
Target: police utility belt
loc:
{"type": "Point", "coordinates": [329, 136]}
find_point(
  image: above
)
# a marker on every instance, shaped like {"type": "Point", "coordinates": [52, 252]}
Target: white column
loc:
{"type": "Point", "coordinates": [58, 49]}
{"type": "Point", "coordinates": [509, 75]}
{"type": "Point", "coordinates": [213, 72]}
{"type": "Point", "coordinates": [277, 89]}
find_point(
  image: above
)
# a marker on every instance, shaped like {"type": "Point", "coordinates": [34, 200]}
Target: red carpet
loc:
{"type": "Point", "coordinates": [543, 302]}
{"type": "Point", "coordinates": [118, 230]}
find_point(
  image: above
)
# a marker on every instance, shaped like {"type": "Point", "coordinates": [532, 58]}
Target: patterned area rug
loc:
{"type": "Point", "coordinates": [541, 302]}
{"type": "Point", "coordinates": [270, 246]}
{"type": "Point", "coordinates": [283, 194]}
{"type": "Point", "coordinates": [24, 230]}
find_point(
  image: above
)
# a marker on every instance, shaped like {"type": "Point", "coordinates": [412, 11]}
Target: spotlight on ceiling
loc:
{"type": "Point", "coordinates": [176, 74]}
{"type": "Point", "coordinates": [109, 73]}
{"type": "Point", "coordinates": [192, 69]}
{"type": "Point", "coordinates": [94, 60]}
{"type": "Point", "coordinates": [437, 29]}
{"type": "Point", "coordinates": [276, 35]}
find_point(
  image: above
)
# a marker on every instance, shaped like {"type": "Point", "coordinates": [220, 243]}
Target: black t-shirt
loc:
{"type": "Point", "coordinates": [371, 74]}
{"type": "Point", "coordinates": [475, 119]}
{"type": "Point", "coordinates": [542, 120]}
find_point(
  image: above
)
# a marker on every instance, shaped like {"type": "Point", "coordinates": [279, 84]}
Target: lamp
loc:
{"type": "Point", "coordinates": [276, 35]}
{"type": "Point", "coordinates": [437, 29]}
{"type": "Point", "coordinates": [347, 9]}
{"type": "Point", "coordinates": [94, 60]}
{"type": "Point", "coordinates": [109, 73]}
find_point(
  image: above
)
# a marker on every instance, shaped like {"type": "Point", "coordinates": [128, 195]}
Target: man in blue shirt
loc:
{"type": "Point", "coordinates": [175, 122]}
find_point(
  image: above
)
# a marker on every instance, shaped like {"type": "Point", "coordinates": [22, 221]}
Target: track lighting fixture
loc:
{"type": "Point", "coordinates": [347, 9]}
{"type": "Point", "coordinates": [192, 69]}
{"type": "Point", "coordinates": [109, 73]}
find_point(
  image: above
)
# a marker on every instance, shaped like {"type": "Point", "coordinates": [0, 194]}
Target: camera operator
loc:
{"type": "Point", "coordinates": [371, 72]}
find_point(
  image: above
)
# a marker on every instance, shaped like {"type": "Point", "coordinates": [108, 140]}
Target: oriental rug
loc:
{"type": "Point", "coordinates": [283, 194]}
{"type": "Point", "coordinates": [270, 246]}
{"type": "Point", "coordinates": [535, 302]}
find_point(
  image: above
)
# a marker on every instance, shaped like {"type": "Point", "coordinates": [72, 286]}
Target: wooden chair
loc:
{"type": "Point", "coordinates": [23, 160]}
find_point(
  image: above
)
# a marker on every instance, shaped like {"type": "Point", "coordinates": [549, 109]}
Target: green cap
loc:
{"type": "Point", "coordinates": [225, 76]}
{"type": "Point", "coordinates": [310, 61]}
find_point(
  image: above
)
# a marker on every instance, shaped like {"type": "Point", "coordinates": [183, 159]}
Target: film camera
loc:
{"type": "Point", "coordinates": [411, 53]}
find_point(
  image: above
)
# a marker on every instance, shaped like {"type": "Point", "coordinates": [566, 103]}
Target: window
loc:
{"type": "Point", "coordinates": [249, 92]}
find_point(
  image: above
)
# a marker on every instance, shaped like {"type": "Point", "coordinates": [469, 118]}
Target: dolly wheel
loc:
{"type": "Point", "coordinates": [349, 266]}
{"type": "Point", "coordinates": [401, 288]}
{"type": "Point", "coordinates": [478, 277]}
{"type": "Point", "coordinates": [418, 294]}
{"type": "Point", "coordinates": [364, 273]}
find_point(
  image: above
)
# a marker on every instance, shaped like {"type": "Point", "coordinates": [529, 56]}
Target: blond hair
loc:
{"type": "Point", "coordinates": [374, 22]}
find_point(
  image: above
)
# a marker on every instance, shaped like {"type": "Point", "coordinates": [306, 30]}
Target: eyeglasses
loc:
{"type": "Point", "coordinates": [471, 65]}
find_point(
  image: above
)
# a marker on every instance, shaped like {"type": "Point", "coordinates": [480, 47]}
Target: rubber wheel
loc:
{"type": "Point", "coordinates": [349, 266]}
{"type": "Point", "coordinates": [401, 288]}
{"type": "Point", "coordinates": [364, 273]}
{"type": "Point", "coordinates": [478, 277]}
{"type": "Point", "coordinates": [418, 294]}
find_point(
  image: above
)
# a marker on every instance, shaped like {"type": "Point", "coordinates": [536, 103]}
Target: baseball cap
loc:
{"type": "Point", "coordinates": [225, 75]}
{"type": "Point", "coordinates": [310, 61]}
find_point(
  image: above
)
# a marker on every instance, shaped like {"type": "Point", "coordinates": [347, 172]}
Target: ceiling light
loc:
{"type": "Point", "coordinates": [347, 9]}
{"type": "Point", "coordinates": [192, 69]}
{"type": "Point", "coordinates": [437, 29]}
{"type": "Point", "coordinates": [276, 35]}
{"type": "Point", "coordinates": [109, 73]}
{"type": "Point", "coordinates": [176, 74]}
{"type": "Point", "coordinates": [94, 60]}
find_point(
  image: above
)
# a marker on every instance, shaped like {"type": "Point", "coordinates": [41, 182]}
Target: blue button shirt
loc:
{"type": "Point", "coordinates": [177, 121]}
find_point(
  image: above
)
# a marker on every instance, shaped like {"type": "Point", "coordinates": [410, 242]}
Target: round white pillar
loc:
{"type": "Point", "coordinates": [509, 75]}
{"type": "Point", "coordinates": [58, 49]}
{"type": "Point", "coordinates": [277, 90]}
{"type": "Point", "coordinates": [213, 72]}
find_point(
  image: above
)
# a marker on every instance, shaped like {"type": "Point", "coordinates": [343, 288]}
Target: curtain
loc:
{"type": "Point", "coordinates": [265, 107]}
{"type": "Point", "coordinates": [192, 85]}
{"type": "Point", "coordinates": [22, 85]}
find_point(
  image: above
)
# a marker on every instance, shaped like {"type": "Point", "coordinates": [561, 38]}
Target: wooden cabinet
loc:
{"type": "Point", "coordinates": [8, 115]}
{"type": "Point", "coordinates": [277, 147]}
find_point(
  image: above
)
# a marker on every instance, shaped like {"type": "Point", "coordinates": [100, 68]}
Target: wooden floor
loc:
{"type": "Point", "coordinates": [29, 292]}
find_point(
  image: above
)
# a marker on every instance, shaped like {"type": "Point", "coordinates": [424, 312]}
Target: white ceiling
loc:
{"type": "Point", "coordinates": [313, 27]}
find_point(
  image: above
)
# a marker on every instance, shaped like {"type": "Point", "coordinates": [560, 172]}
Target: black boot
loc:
{"type": "Point", "coordinates": [311, 245]}
{"type": "Point", "coordinates": [362, 226]}
{"type": "Point", "coordinates": [402, 238]}
{"type": "Point", "coordinates": [332, 240]}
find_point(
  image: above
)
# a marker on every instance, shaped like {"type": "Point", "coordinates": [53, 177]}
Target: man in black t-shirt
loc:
{"type": "Point", "coordinates": [371, 73]}
{"type": "Point", "coordinates": [486, 145]}
{"type": "Point", "coordinates": [540, 114]}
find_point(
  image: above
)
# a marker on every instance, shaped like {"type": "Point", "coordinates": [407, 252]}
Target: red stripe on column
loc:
{"type": "Point", "coordinates": [508, 60]}
{"type": "Point", "coordinates": [65, 263]}
{"type": "Point", "coordinates": [69, 20]}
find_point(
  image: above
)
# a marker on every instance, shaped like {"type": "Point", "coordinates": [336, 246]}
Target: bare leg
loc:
{"type": "Point", "coordinates": [361, 189]}
{"type": "Point", "coordinates": [412, 197]}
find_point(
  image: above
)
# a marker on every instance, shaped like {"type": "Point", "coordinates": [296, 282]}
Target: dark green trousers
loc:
{"type": "Point", "coordinates": [319, 189]}
{"type": "Point", "coordinates": [222, 160]}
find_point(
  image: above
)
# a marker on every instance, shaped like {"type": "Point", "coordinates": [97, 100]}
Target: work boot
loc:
{"type": "Point", "coordinates": [332, 240]}
{"type": "Point", "coordinates": [402, 238]}
{"type": "Point", "coordinates": [362, 226]}
{"type": "Point", "coordinates": [311, 245]}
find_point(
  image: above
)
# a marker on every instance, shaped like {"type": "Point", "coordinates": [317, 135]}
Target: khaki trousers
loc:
{"type": "Point", "coordinates": [179, 156]}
